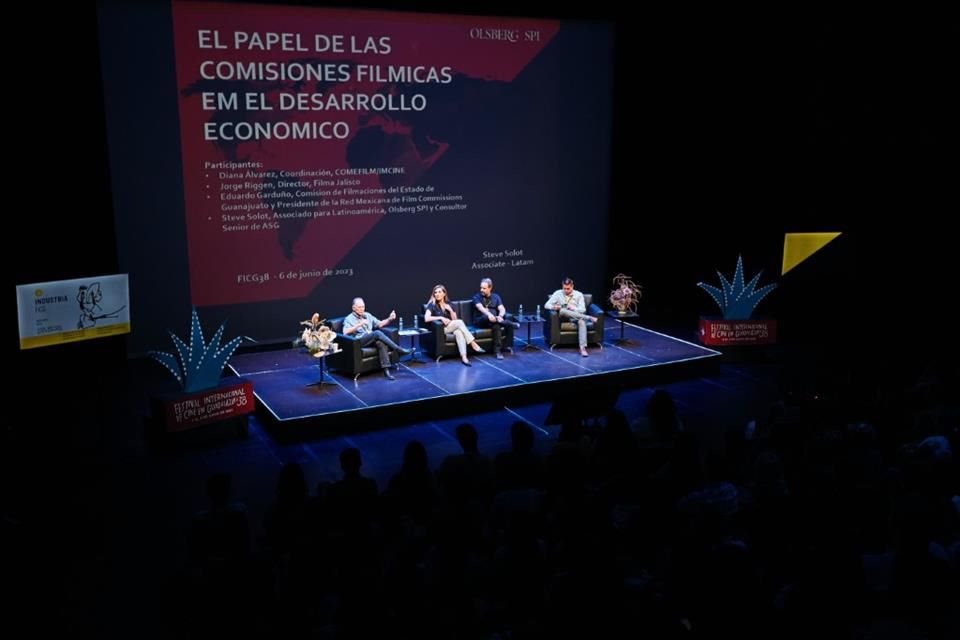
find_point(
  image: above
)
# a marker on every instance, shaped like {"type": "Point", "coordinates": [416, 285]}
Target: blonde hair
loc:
{"type": "Point", "coordinates": [446, 297]}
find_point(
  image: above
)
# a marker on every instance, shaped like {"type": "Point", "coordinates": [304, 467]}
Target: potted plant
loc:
{"type": "Point", "coordinates": [320, 341]}
{"type": "Point", "coordinates": [625, 294]}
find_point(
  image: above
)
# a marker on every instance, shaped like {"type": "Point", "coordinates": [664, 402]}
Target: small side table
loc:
{"type": "Point", "coordinates": [528, 320]}
{"type": "Point", "coordinates": [322, 357]}
{"type": "Point", "coordinates": [621, 317]}
{"type": "Point", "coordinates": [414, 335]}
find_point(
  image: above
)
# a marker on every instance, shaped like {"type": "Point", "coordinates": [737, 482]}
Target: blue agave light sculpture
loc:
{"type": "Point", "coordinates": [198, 365]}
{"type": "Point", "coordinates": [736, 299]}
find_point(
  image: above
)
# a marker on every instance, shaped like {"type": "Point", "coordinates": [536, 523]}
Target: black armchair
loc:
{"type": "Point", "coordinates": [438, 344]}
{"type": "Point", "coordinates": [356, 360]}
{"type": "Point", "coordinates": [560, 331]}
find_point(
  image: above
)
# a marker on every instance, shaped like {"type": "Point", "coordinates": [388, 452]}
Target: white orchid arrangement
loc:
{"type": "Point", "coordinates": [319, 341]}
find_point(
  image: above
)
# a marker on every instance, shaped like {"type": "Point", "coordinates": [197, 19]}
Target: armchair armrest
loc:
{"type": "Point", "coordinates": [597, 313]}
{"type": "Point", "coordinates": [352, 350]}
{"type": "Point", "coordinates": [551, 327]}
{"type": "Point", "coordinates": [433, 342]}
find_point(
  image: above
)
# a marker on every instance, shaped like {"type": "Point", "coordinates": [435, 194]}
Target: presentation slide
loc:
{"type": "Point", "coordinates": [271, 161]}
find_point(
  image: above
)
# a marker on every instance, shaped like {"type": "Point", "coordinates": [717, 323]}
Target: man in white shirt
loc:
{"type": "Point", "coordinates": [569, 303]}
{"type": "Point", "coordinates": [365, 327]}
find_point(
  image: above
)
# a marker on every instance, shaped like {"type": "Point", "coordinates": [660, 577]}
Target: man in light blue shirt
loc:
{"type": "Point", "coordinates": [365, 327]}
{"type": "Point", "coordinates": [569, 303]}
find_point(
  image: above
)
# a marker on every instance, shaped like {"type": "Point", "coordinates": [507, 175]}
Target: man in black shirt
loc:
{"type": "Point", "coordinates": [492, 314]}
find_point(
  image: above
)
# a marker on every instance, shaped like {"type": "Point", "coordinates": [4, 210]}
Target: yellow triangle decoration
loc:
{"type": "Point", "coordinates": [797, 247]}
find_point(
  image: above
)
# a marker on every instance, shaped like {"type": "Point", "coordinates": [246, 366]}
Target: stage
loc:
{"type": "Point", "coordinates": [286, 385]}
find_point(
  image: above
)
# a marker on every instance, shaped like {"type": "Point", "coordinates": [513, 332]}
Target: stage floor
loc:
{"type": "Point", "coordinates": [284, 381]}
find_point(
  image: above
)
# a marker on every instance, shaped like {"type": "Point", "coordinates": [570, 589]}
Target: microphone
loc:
{"type": "Point", "coordinates": [363, 320]}
{"type": "Point", "coordinates": [248, 339]}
